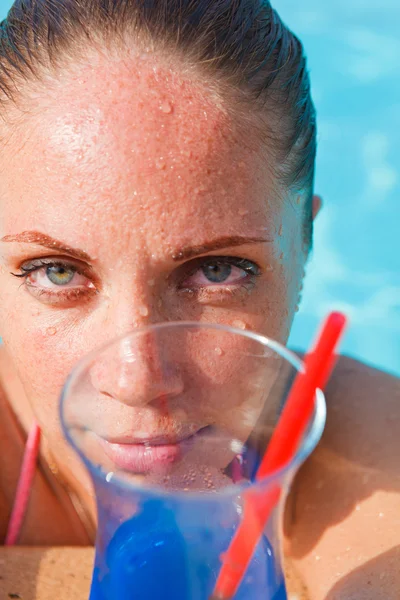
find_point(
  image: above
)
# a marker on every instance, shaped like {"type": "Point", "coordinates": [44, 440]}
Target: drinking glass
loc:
{"type": "Point", "coordinates": [171, 422]}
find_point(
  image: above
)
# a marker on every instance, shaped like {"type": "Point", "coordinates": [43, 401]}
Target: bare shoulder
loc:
{"type": "Point", "coordinates": [363, 405]}
{"type": "Point", "coordinates": [351, 375]}
{"type": "Point", "coordinates": [343, 525]}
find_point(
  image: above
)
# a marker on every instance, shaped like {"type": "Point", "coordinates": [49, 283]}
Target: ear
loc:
{"type": "Point", "coordinates": [316, 206]}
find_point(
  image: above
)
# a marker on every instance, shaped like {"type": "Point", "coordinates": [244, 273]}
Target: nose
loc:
{"type": "Point", "coordinates": [138, 370]}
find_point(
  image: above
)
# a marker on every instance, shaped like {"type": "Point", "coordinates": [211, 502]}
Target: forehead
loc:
{"type": "Point", "coordinates": [128, 143]}
{"type": "Point", "coordinates": [135, 107]}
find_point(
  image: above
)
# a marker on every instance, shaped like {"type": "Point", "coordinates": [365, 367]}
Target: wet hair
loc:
{"type": "Point", "coordinates": [242, 45]}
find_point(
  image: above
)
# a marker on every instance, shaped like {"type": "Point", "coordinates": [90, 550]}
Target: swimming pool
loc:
{"type": "Point", "coordinates": [354, 51]}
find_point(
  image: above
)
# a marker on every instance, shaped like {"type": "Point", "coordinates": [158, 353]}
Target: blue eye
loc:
{"type": "Point", "coordinates": [224, 271]}
{"type": "Point", "coordinates": [60, 275]}
{"type": "Point", "coordinates": [217, 273]}
{"type": "Point", "coordinates": [56, 281]}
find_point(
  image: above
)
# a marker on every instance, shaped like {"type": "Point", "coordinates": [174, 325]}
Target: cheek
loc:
{"type": "Point", "coordinates": [43, 356]}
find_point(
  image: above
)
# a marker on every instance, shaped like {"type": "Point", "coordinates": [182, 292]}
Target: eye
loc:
{"type": "Point", "coordinates": [221, 271]}
{"type": "Point", "coordinates": [217, 273]}
{"type": "Point", "coordinates": [60, 274]}
{"type": "Point", "coordinates": [55, 281]}
{"type": "Point", "coordinates": [50, 276]}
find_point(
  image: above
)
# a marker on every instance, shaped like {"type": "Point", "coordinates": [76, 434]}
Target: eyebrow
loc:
{"type": "Point", "coordinates": [224, 242]}
{"type": "Point", "coordinates": [40, 239]}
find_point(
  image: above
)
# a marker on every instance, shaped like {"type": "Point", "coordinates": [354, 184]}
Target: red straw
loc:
{"type": "Point", "coordinates": [282, 448]}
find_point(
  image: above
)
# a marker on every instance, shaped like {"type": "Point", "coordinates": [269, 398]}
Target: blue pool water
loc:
{"type": "Point", "coordinates": [353, 48]}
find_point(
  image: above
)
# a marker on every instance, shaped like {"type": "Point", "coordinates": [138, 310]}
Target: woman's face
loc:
{"type": "Point", "coordinates": [128, 197]}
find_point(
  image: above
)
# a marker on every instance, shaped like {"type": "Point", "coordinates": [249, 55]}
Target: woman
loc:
{"type": "Point", "coordinates": [149, 148]}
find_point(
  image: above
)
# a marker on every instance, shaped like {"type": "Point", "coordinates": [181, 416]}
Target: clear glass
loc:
{"type": "Point", "coordinates": [171, 422]}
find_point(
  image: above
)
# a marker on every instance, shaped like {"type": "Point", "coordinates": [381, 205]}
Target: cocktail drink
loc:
{"type": "Point", "coordinates": [172, 422]}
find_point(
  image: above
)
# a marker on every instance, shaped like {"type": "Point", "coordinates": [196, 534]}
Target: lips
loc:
{"type": "Point", "coordinates": [156, 454]}
{"type": "Point", "coordinates": [161, 440]}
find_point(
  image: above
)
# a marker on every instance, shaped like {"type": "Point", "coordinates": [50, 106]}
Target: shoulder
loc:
{"type": "Point", "coordinates": [343, 510]}
{"type": "Point", "coordinates": [363, 407]}
{"type": "Point", "coordinates": [351, 374]}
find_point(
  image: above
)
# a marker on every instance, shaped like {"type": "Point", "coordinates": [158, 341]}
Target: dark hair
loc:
{"type": "Point", "coordinates": [243, 43]}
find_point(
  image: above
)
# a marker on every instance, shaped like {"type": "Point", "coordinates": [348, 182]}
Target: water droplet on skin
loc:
{"type": "Point", "coordinates": [51, 331]}
{"type": "Point", "coordinates": [239, 324]}
{"type": "Point", "coordinates": [199, 189]}
{"type": "Point", "coordinates": [237, 447]}
{"type": "Point", "coordinates": [218, 351]}
{"type": "Point", "coordinates": [160, 164]}
{"type": "Point", "coordinates": [143, 311]}
{"type": "Point", "coordinates": [243, 212]}
{"type": "Point", "coordinates": [109, 476]}
{"type": "Point", "coordinates": [166, 107]}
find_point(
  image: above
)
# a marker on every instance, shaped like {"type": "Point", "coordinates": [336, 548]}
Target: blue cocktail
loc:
{"type": "Point", "coordinates": [171, 549]}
